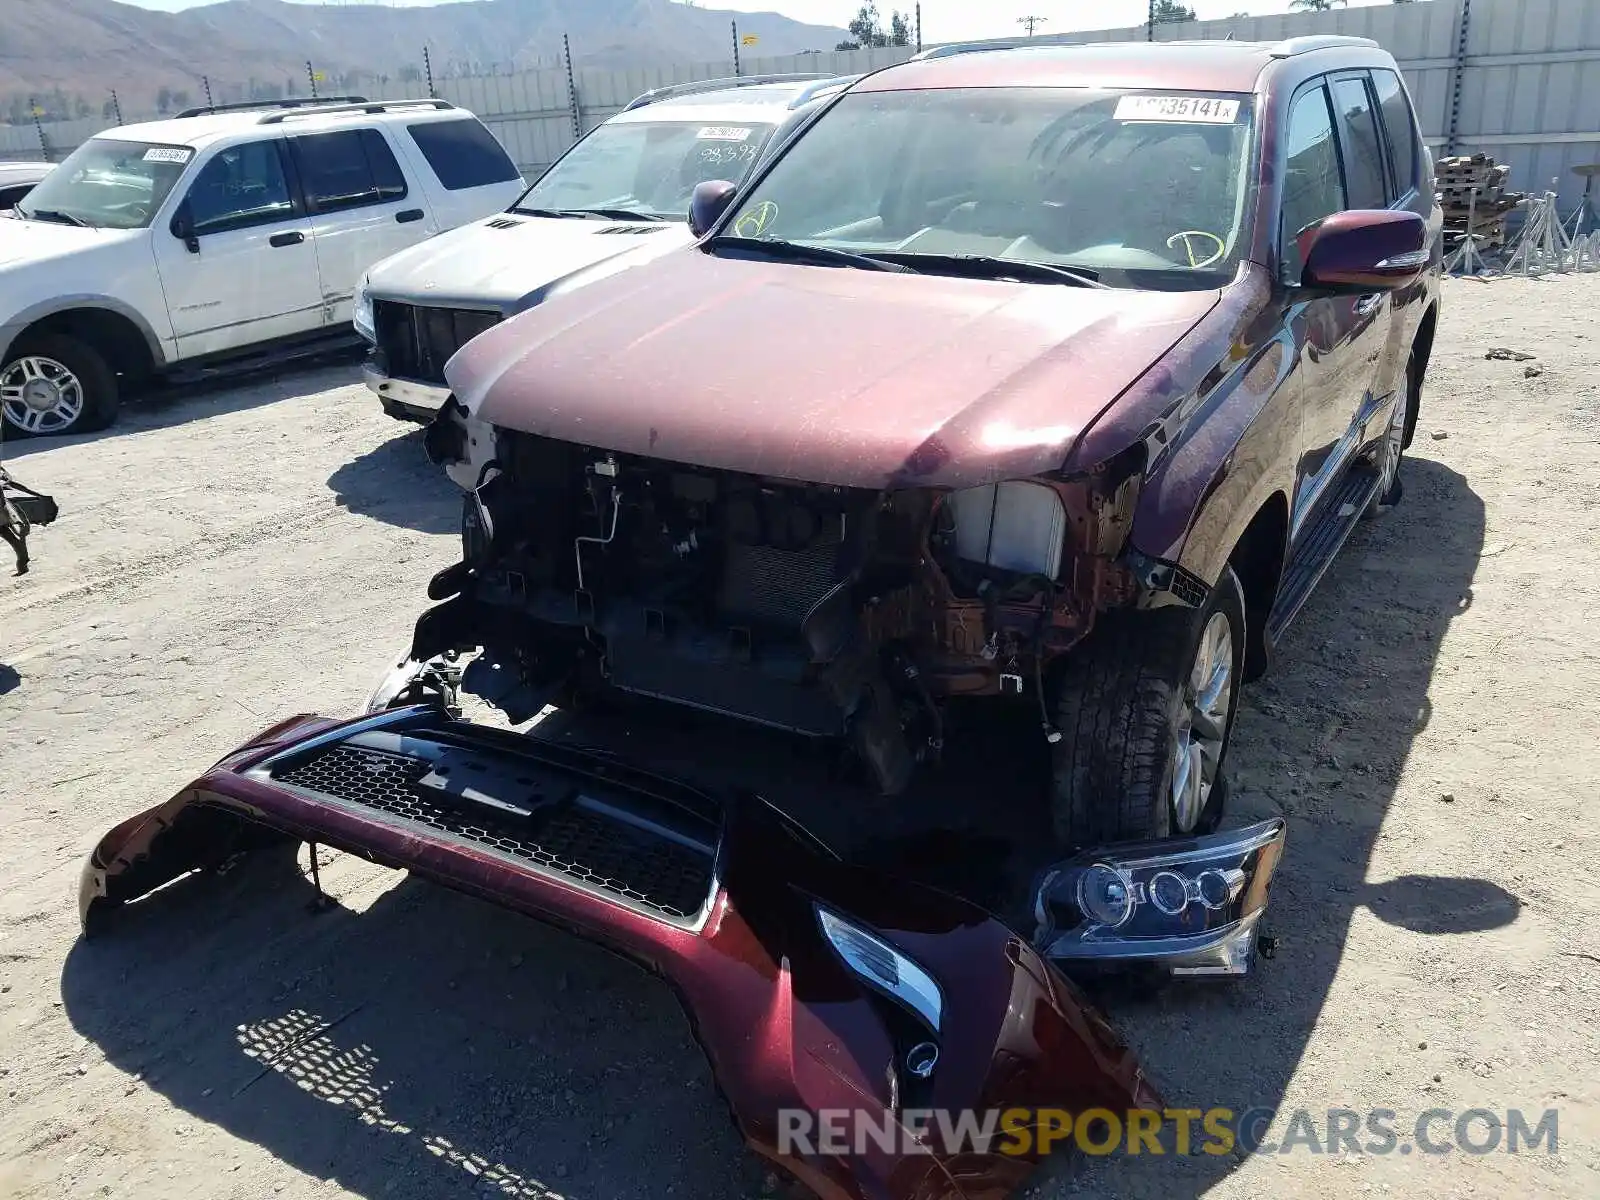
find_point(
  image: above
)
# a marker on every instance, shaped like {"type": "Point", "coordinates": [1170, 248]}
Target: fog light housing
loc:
{"type": "Point", "coordinates": [1191, 905]}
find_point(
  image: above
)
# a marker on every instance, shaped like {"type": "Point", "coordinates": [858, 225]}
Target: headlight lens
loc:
{"type": "Point", "coordinates": [1192, 904]}
{"type": "Point", "coordinates": [361, 312]}
{"type": "Point", "coordinates": [881, 966]}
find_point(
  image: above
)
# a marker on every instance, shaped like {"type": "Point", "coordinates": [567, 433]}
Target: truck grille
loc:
{"type": "Point", "coordinates": [586, 844]}
{"type": "Point", "coordinates": [417, 342]}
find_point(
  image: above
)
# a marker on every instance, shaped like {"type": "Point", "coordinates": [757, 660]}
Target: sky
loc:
{"type": "Point", "coordinates": [949, 20]}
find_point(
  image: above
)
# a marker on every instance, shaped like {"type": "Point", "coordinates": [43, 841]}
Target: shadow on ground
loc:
{"type": "Point", "coordinates": [474, 1052]}
{"type": "Point", "coordinates": [395, 483]}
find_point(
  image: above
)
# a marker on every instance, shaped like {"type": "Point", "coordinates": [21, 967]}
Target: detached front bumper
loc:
{"type": "Point", "coordinates": [813, 985]}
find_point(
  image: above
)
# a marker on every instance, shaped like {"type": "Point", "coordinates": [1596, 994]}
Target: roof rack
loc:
{"type": "Point", "coordinates": [206, 110]}
{"type": "Point", "coordinates": [835, 83]}
{"type": "Point", "coordinates": [673, 90]}
{"type": "Point", "coordinates": [365, 106]}
{"type": "Point", "coordinates": [1290, 47]}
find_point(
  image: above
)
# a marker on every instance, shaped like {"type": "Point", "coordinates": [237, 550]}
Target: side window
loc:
{"type": "Point", "coordinates": [10, 196]}
{"type": "Point", "coordinates": [1401, 126]}
{"type": "Point", "coordinates": [463, 154]}
{"type": "Point", "coordinates": [1362, 148]}
{"type": "Point", "coordinates": [239, 187]}
{"type": "Point", "coordinates": [1312, 185]}
{"type": "Point", "coordinates": [349, 169]}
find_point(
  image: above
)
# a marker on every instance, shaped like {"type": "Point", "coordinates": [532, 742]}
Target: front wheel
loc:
{"type": "Point", "coordinates": [1391, 450]}
{"type": "Point", "coordinates": [54, 384]}
{"type": "Point", "coordinates": [1146, 711]}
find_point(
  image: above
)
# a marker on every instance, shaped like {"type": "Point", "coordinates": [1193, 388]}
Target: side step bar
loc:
{"type": "Point", "coordinates": [1321, 544]}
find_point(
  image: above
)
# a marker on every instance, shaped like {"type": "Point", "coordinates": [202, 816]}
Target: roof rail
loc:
{"type": "Point", "coordinates": [951, 48]}
{"type": "Point", "coordinates": [812, 91]}
{"type": "Point", "coordinates": [206, 110]}
{"type": "Point", "coordinates": [1289, 47]}
{"type": "Point", "coordinates": [366, 106]}
{"type": "Point", "coordinates": [673, 90]}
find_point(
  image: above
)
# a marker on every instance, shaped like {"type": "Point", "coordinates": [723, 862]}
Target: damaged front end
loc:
{"type": "Point", "coordinates": [813, 985]}
{"type": "Point", "coordinates": [827, 611]}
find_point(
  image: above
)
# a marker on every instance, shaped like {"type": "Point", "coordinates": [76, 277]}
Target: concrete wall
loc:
{"type": "Point", "coordinates": [1529, 83]}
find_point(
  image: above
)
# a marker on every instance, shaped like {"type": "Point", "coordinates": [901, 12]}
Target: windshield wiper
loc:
{"type": "Point", "coordinates": [589, 214]}
{"type": "Point", "coordinates": [801, 252]}
{"type": "Point", "coordinates": [53, 214]}
{"type": "Point", "coordinates": [617, 214]}
{"type": "Point", "coordinates": [985, 266]}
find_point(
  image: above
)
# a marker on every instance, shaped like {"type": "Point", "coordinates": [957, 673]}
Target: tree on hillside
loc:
{"type": "Point", "coordinates": [1315, 5]}
{"type": "Point", "coordinates": [1170, 10]}
{"type": "Point", "coordinates": [866, 29]}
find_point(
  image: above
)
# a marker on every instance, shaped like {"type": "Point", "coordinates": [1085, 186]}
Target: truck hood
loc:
{"type": "Point", "coordinates": [832, 375]}
{"type": "Point", "coordinates": [514, 261]}
{"type": "Point", "coordinates": [24, 243]}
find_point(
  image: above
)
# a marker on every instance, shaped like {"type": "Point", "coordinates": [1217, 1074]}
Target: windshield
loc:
{"type": "Point", "coordinates": [109, 184]}
{"type": "Point", "coordinates": [648, 167]}
{"type": "Point", "coordinates": [1143, 190]}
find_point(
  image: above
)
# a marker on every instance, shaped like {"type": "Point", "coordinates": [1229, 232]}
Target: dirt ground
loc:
{"type": "Point", "coordinates": [1430, 731]}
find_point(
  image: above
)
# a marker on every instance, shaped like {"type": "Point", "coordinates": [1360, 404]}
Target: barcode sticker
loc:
{"type": "Point", "coordinates": [168, 154]}
{"type": "Point", "coordinates": [723, 133]}
{"type": "Point", "coordinates": [1205, 110]}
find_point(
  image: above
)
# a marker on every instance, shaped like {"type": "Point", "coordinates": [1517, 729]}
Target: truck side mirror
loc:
{"type": "Point", "coordinates": [183, 228]}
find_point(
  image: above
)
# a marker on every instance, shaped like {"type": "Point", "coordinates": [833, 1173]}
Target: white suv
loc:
{"type": "Point", "coordinates": [617, 198]}
{"type": "Point", "coordinates": [225, 234]}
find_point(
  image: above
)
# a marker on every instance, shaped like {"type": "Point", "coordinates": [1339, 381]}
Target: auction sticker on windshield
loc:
{"type": "Point", "coordinates": [168, 154]}
{"type": "Point", "coordinates": [1206, 110]}
{"type": "Point", "coordinates": [723, 133]}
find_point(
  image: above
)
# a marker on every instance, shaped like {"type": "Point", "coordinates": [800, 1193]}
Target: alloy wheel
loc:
{"type": "Point", "coordinates": [40, 395]}
{"type": "Point", "coordinates": [1203, 725]}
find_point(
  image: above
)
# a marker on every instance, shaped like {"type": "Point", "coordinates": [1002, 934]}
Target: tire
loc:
{"type": "Point", "coordinates": [84, 387]}
{"type": "Point", "coordinates": [1124, 705]}
{"type": "Point", "coordinates": [1392, 449]}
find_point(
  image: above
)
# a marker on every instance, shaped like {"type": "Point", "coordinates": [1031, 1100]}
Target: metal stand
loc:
{"type": "Point", "coordinates": [1543, 245]}
{"type": "Point", "coordinates": [1466, 259]}
{"type": "Point", "coordinates": [1586, 219]}
{"type": "Point", "coordinates": [321, 902]}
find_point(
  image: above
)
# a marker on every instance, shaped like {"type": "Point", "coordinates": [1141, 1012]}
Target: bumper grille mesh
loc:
{"type": "Point", "coordinates": [598, 852]}
{"type": "Point", "coordinates": [418, 341]}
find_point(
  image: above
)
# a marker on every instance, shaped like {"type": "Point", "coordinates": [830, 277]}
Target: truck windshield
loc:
{"type": "Point", "coordinates": [647, 167]}
{"type": "Point", "coordinates": [1144, 190]}
{"type": "Point", "coordinates": [108, 184]}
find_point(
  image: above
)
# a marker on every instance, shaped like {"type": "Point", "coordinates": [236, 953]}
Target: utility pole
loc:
{"type": "Point", "coordinates": [1150, 24]}
{"type": "Point", "coordinates": [919, 28]}
{"type": "Point", "coordinates": [1031, 23]}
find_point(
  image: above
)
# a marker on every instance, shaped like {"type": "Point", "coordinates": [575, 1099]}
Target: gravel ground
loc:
{"type": "Point", "coordinates": [1430, 731]}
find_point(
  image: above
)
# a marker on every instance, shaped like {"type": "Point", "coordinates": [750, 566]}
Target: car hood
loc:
{"type": "Point", "coordinates": [24, 243]}
{"type": "Point", "coordinates": [832, 375]}
{"type": "Point", "coordinates": [512, 261]}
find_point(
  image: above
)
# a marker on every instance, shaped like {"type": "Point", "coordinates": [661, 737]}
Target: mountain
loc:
{"type": "Point", "coordinates": [69, 53]}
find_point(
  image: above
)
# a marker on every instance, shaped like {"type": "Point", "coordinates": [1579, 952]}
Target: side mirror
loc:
{"type": "Point", "coordinates": [709, 202]}
{"type": "Point", "coordinates": [183, 228]}
{"type": "Point", "coordinates": [1365, 250]}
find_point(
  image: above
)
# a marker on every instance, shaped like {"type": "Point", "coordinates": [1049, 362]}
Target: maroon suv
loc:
{"type": "Point", "coordinates": [1049, 378]}
{"type": "Point", "coordinates": [1053, 375]}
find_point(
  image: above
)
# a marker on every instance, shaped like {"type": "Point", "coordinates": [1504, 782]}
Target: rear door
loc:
{"type": "Point", "coordinates": [361, 208]}
{"type": "Point", "coordinates": [250, 275]}
{"type": "Point", "coordinates": [1334, 161]}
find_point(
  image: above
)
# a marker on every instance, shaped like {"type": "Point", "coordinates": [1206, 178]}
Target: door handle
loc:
{"type": "Point", "coordinates": [286, 239]}
{"type": "Point", "coordinates": [406, 216]}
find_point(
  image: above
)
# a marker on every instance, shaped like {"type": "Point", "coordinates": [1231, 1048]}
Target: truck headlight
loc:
{"type": "Point", "coordinates": [883, 968]}
{"type": "Point", "coordinates": [361, 312]}
{"type": "Point", "coordinates": [1192, 905]}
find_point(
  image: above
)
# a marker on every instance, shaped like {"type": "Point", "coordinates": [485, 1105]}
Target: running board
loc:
{"type": "Point", "coordinates": [1321, 543]}
{"type": "Point", "coordinates": [294, 354]}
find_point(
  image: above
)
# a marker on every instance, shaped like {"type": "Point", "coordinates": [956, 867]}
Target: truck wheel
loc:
{"type": "Point", "coordinates": [1145, 709]}
{"type": "Point", "coordinates": [1393, 446]}
{"type": "Point", "coordinates": [54, 384]}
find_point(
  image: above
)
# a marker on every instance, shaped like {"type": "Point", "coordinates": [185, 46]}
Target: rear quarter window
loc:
{"type": "Point", "coordinates": [463, 154]}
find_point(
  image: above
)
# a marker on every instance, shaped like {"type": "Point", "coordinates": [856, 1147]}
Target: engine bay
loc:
{"type": "Point", "coordinates": [825, 611]}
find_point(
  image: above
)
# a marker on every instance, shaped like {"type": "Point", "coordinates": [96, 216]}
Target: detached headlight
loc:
{"type": "Point", "coordinates": [882, 967]}
{"type": "Point", "coordinates": [361, 312]}
{"type": "Point", "coordinates": [1192, 905]}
